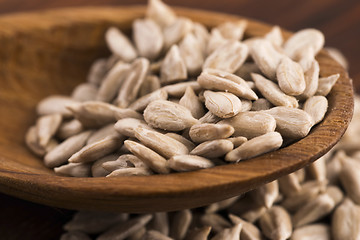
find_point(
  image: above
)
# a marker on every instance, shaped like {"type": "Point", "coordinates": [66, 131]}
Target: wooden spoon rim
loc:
{"type": "Point", "coordinates": [183, 190]}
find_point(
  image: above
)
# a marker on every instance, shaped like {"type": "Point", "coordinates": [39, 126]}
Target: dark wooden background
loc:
{"type": "Point", "coordinates": [339, 20]}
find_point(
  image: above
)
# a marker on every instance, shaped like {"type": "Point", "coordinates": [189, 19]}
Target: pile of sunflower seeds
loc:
{"type": "Point", "coordinates": [177, 97]}
{"type": "Point", "coordinates": [319, 202]}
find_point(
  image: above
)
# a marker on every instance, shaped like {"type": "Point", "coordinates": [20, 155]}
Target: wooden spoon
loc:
{"type": "Point", "coordinates": [50, 52]}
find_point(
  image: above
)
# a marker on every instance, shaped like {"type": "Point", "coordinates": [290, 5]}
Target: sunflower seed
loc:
{"type": "Point", "coordinates": [173, 67]}
{"type": "Point", "coordinates": [191, 53]}
{"type": "Point", "coordinates": [31, 140]}
{"type": "Point", "coordinates": [134, 79]}
{"type": "Point", "coordinates": [97, 169]}
{"type": "Point", "coordinates": [192, 102]}
{"type": "Point", "coordinates": [55, 104]}
{"type": "Point", "coordinates": [237, 141]}
{"type": "Point", "coordinates": [261, 104]}
{"type": "Point", "coordinates": [232, 233]}
{"type": "Point", "coordinates": [215, 221]}
{"type": "Point", "coordinates": [160, 223]}
{"type": "Point", "coordinates": [214, 79]}
{"type": "Point", "coordinates": [174, 117]}
{"type": "Point", "coordinates": [256, 146]}
{"type": "Point", "coordinates": [326, 84]}
{"type": "Point", "coordinates": [160, 143]}
{"type": "Point", "coordinates": [251, 124]}
{"type": "Point", "coordinates": [246, 69]}
{"type": "Point", "coordinates": [290, 77]}
{"type": "Point", "coordinates": [202, 35]}
{"type": "Point", "coordinates": [275, 36]}
{"type": "Point", "coordinates": [123, 161]}
{"type": "Point", "coordinates": [97, 71]}
{"type": "Point", "coordinates": [74, 170]}
{"type": "Point", "coordinates": [317, 169]}
{"type": "Point", "coordinates": [120, 45]}
{"type": "Point", "coordinates": [266, 194]}
{"type": "Point", "coordinates": [338, 56]}
{"type": "Point", "coordinates": [349, 177]}
{"type": "Point", "coordinates": [209, 131]}
{"type": "Point", "coordinates": [183, 163]}
{"type": "Point", "coordinates": [175, 32]}
{"type": "Point", "coordinates": [153, 160]}
{"type": "Point", "coordinates": [335, 193]}
{"type": "Point", "coordinates": [222, 104]}
{"type": "Point", "coordinates": [132, 171]}
{"type": "Point", "coordinates": [180, 224]}
{"type": "Point", "coordinates": [218, 206]}
{"type": "Point", "coordinates": [276, 223]}
{"type": "Point", "coordinates": [199, 233]}
{"type": "Point", "coordinates": [312, 80]}
{"type": "Point", "coordinates": [127, 126]}
{"type": "Point", "coordinates": [178, 89]}
{"type": "Point", "coordinates": [216, 39]}
{"type": "Point", "coordinates": [60, 154]}
{"type": "Point", "coordinates": [46, 127]}
{"type": "Point", "coordinates": [312, 232]}
{"type": "Point", "coordinates": [189, 144]}
{"type": "Point", "coordinates": [150, 84]}
{"type": "Point", "coordinates": [233, 30]}
{"type": "Point", "coordinates": [213, 148]}
{"type": "Point", "coordinates": [228, 57]}
{"type": "Point", "coordinates": [160, 13]}
{"type": "Point", "coordinates": [306, 59]}
{"type": "Point", "coordinates": [84, 92]}
{"type": "Point", "coordinates": [272, 92]}
{"type": "Point", "coordinates": [155, 235]}
{"type": "Point", "coordinates": [209, 117]}
{"type": "Point", "coordinates": [101, 133]}
{"type": "Point", "coordinates": [148, 38]}
{"type": "Point", "coordinates": [141, 103]}
{"type": "Point", "coordinates": [289, 184]}
{"type": "Point", "coordinates": [249, 231]}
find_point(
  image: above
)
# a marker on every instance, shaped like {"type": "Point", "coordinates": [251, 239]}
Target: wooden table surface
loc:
{"type": "Point", "coordinates": [338, 20]}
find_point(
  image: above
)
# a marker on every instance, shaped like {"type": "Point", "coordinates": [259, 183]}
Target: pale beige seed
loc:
{"type": "Point", "coordinates": [148, 38]}
{"type": "Point", "coordinates": [178, 89]}
{"type": "Point", "coordinates": [249, 231]}
{"type": "Point", "coordinates": [94, 222]}
{"type": "Point", "coordinates": [232, 233]}
{"type": "Point", "coordinates": [84, 92]}
{"type": "Point", "coordinates": [69, 128]}
{"type": "Point", "coordinates": [275, 36]}
{"type": "Point", "coordinates": [335, 193]}
{"type": "Point", "coordinates": [326, 84]}
{"type": "Point", "coordinates": [213, 149]}
{"type": "Point", "coordinates": [55, 104]}
{"type": "Point", "coordinates": [127, 126]}
{"type": "Point", "coordinates": [302, 40]}
{"type": "Point", "coordinates": [160, 143]}
{"type": "Point", "coordinates": [97, 169]}
{"type": "Point", "coordinates": [338, 56]}
{"type": "Point", "coordinates": [311, 80]}
{"type": "Point", "coordinates": [155, 235]}
{"type": "Point", "coordinates": [173, 67]}
{"type": "Point", "coordinates": [266, 194]}
{"type": "Point", "coordinates": [202, 35]}
{"type": "Point", "coordinates": [124, 161]}
{"type": "Point", "coordinates": [334, 166]}
{"type": "Point", "coordinates": [261, 104]}
{"type": "Point", "coordinates": [191, 53]}
{"type": "Point", "coordinates": [276, 224]}
{"type": "Point", "coordinates": [266, 57]}
{"type": "Point", "coordinates": [97, 150]}
{"type": "Point", "coordinates": [189, 144]}
{"type": "Point", "coordinates": [215, 221]}
{"type": "Point", "coordinates": [317, 169]}
{"type": "Point", "coordinates": [317, 231]}
{"type": "Point", "coordinates": [168, 116]}
{"type": "Point", "coordinates": [162, 14]}
{"type": "Point", "coordinates": [233, 30]}
{"type": "Point", "coordinates": [246, 105]}
{"type": "Point", "coordinates": [247, 209]}
{"type": "Point", "coordinates": [209, 117]}
{"type": "Point", "coordinates": [346, 221]}
{"type": "Point", "coordinates": [74, 170]}
{"type": "Point", "coordinates": [199, 233]}
{"type": "Point", "coordinates": [175, 32]}
{"type": "Point", "coordinates": [160, 223]}
{"type": "Point", "coordinates": [289, 184]}
{"type": "Point", "coordinates": [111, 61]}
{"type": "Point", "coordinates": [184, 163]}
{"type": "Point", "coordinates": [291, 122]}
{"type": "Point", "coordinates": [141, 103]}
{"type": "Point", "coordinates": [255, 147]}
{"type": "Point", "coordinates": [112, 82]}
{"type": "Point", "coordinates": [214, 79]}
{"type": "Point", "coordinates": [131, 171]}
{"type": "Point", "coordinates": [192, 102]}
{"type": "Point", "coordinates": [313, 210]}
{"type": "Point", "coordinates": [228, 57]}
{"type": "Point", "coordinates": [130, 88]}
{"type": "Point", "coordinates": [251, 124]}
{"type": "Point", "coordinates": [273, 93]}
{"type": "Point", "coordinates": [308, 192]}
{"type": "Point", "coordinates": [300, 174]}
{"type": "Point", "coordinates": [46, 127]}
{"type": "Point", "coordinates": [138, 235]}
{"type": "Point", "coordinates": [97, 71]}
{"type": "Point", "coordinates": [306, 58]}
{"type": "Point", "coordinates": [93, 114]}
{"type": "Point", "coordinates": [237, 141]}
{"type": "Point", "coordinates": [221, 205]}
{"type": "Point", "coordinates": [120, 45]}
{"type": "Point", "coordinates": [74, 235]}
{"type": "Point", "coordinates": [102, 133]}
{"type": "Point", "coordinates": [290, 77]}
{"type": "Point", "coordinates": [246, 69]}
{"type": "Point", "coordinates": [216, 40]}
{"type": "Point", "coordinates": [349, 177]}
{"type": "Point", "coordinates": [150, 84]}
{"type": "Point", "coordinates": [153, 160]}
{"type": "Point", "coordinates": [180, 224]}
{"type": "Point", "coordinates": [61, 153]}
{"type": "Point", "coordinates": [209, 131]}
{"type": "Point", "coordinates": [222, 104]}
{"type": "Point", "coordinates": [125, 229]}
{"type": "Point", "coordinates": [31, 140]}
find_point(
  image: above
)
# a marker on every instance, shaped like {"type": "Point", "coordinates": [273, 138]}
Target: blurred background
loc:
{"type": "Point", "coordinates": [339, 21]}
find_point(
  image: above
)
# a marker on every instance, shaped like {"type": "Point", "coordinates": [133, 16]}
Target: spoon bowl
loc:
{"type": "Point", "coordinates": [50, 52]}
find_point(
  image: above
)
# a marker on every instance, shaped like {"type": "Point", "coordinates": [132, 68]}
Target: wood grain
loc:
{"type": "Point", "coordinates": [63, 44]}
